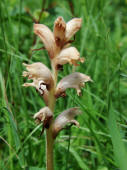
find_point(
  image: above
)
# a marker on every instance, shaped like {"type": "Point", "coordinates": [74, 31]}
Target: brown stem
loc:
{"type": "Point", "coordinates": [49, 135]}
{"type": "Point", "coordinates": [49, 149]}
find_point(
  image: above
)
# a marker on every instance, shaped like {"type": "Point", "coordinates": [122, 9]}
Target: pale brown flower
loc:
{"type": "Point", "coordinates": [44, 116]}
{"type": "Point", "coordinates": [64, 118]}
{"type": "Point", "coordinates": [72, 27]}
{"type": "Point", "coordinates": [75, 80]}
{"type": "Point", "coordinates": [68, 55]}
{"type": "Point", "coordinates": [39, 73]}
{"type": "Point", "coordinates": [59, 31]}
{"type": "Point", "coordinates": [57, 43]}
{"type": "Point", "coordinates": [41, 76]}
{"type": "Point", "coordinates": [47, 37]}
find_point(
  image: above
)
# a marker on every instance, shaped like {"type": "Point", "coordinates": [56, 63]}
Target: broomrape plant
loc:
{"type": "Point", "coordinates": [57, 43]}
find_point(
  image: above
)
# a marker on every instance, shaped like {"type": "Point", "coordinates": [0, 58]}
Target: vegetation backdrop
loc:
{"type": "Point", "coordinates": [101, 141]}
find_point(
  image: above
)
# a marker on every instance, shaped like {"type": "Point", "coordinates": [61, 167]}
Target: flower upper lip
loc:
{"type": "Point", "coordinates": [72, 27]}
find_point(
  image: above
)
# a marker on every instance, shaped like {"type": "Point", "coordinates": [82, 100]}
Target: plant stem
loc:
{"type": "Point", "coordinates": [49, 149]}
{"type": "Point", "coordinates": [49, 137]}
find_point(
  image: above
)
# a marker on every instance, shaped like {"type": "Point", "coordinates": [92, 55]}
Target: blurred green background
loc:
{"type": "Point", "coordinates": [101, 141]}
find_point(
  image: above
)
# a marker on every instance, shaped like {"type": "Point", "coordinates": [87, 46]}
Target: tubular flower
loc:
{"type": "Point", "coordinates": [75, 80]}
{"type": "Point", "coordinates": [64, 118]}
{"type": "Point", "coordinates": [44, 115]}
{"type": "Point", "coordinates": [47, 37]}
{"type": "Point", "coordinates": [39, 72]}
{"type": "Point", "coordinates": [72, 27]}
{"type": "Point", "coordinates": [68, 55]}
{"type": "Point", "coordinates": [59, 31]}
{"type": "Point", "coordinates": [41, 76]}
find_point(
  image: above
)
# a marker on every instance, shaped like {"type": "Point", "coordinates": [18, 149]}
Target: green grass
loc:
{"type": "Point", "coordinates": [101, 141]}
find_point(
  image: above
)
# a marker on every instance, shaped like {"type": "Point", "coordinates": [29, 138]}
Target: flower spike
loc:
{"type": "Point", "coordinates": [58, 46]}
